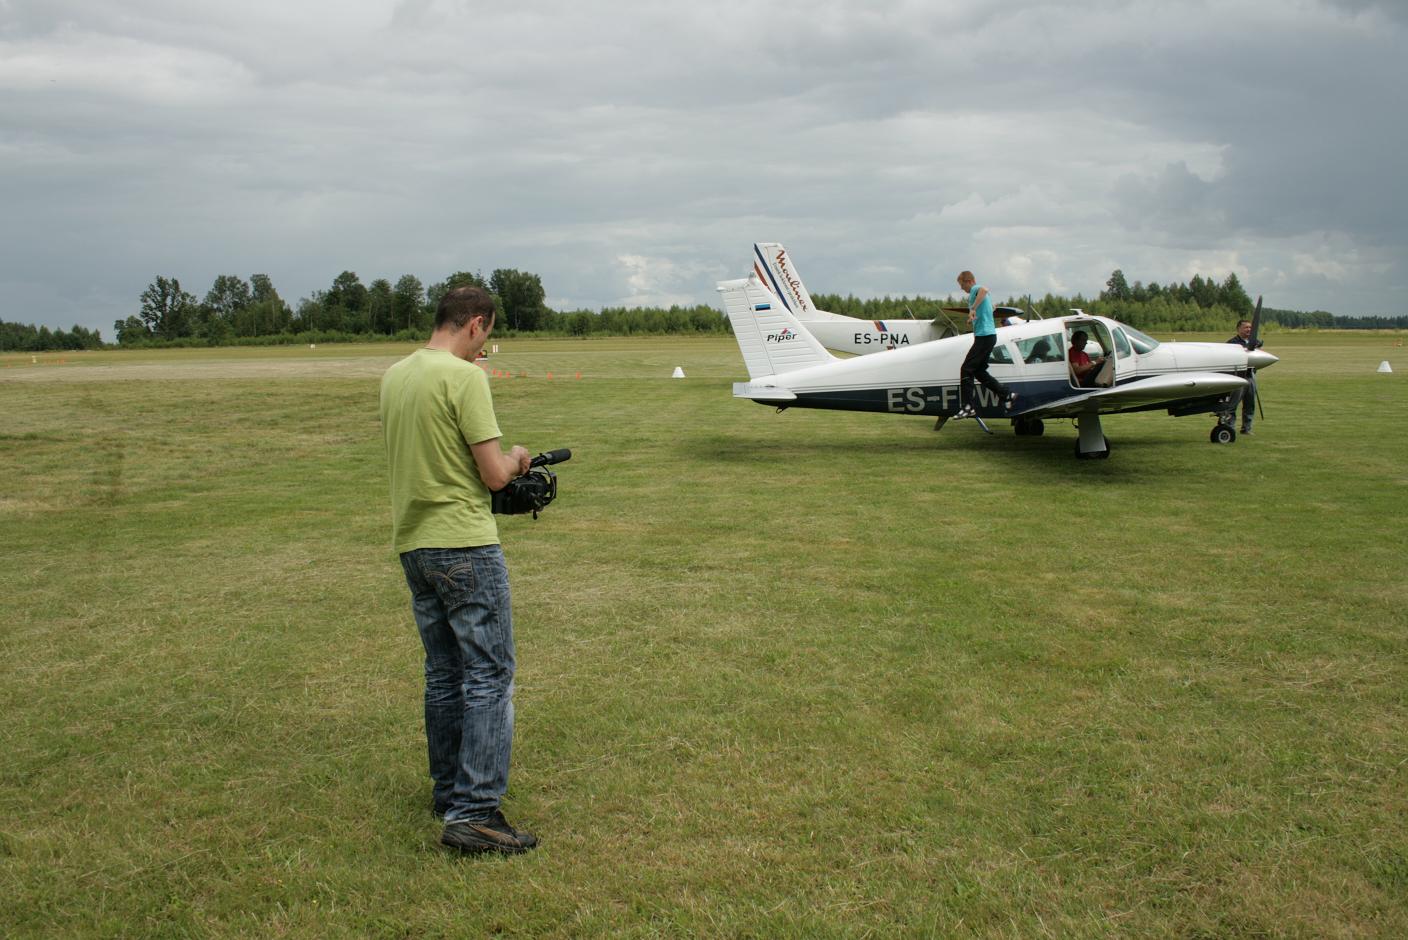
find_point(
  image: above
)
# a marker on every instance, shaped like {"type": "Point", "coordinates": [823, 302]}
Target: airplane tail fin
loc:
{"type": "Point", "coordinates": [773, 266]}
{"type": "Point", "coordinates": [769, 336]}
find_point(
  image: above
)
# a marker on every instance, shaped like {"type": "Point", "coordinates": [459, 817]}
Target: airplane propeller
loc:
{"type": "Point", "coordinates": [1256, 328]}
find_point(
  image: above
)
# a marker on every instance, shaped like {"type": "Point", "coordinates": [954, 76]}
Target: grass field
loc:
{"type": "Point", "coordinates": [781, 675]}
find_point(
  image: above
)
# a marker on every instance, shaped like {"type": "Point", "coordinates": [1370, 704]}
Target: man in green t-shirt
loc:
{"type": "Point", "coordinates": [444, 455]}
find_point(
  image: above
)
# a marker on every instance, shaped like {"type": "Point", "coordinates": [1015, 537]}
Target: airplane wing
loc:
{"type": "Point", "coordinates": [1155, 390]}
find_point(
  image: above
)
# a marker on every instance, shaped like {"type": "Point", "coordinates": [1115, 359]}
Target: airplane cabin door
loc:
{"type": "Point", "coordinates": [1093, 338]}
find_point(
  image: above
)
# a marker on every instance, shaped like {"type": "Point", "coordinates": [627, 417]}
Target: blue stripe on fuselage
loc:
{"type": "Point", "coordinates": [934, 400]}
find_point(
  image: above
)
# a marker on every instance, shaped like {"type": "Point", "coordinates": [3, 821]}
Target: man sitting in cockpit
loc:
{"type": "Point", "coordinates": [1082, 366]}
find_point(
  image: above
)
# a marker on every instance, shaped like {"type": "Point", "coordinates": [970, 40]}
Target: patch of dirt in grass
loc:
{"type": "Point", "coordinates": [197, 371]}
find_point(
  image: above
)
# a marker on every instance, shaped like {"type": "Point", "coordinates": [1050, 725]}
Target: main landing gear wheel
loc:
{"type": "Point", "coordinates": [1223, 434]}
{"type": "Point", "coordinates": [1094, 454]}
{"type": "Point", "coordinates": [1027, 427]}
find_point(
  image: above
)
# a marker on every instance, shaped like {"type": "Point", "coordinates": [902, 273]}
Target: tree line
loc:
{"type": "Point", "coordinates": [1202, 305]}
{"type": "Point", "coordinates": [25, 337]}
{"type": "Point", "coordinates": [235, 311]}
{"type": "Point", "coordinates": [239, 312]}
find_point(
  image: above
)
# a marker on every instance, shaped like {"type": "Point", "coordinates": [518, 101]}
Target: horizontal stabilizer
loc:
{"type": "Point", "coordinates": [759, 392]}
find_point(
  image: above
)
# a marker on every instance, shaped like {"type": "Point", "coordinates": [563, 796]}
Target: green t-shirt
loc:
{"type": "Point", "coordinates": [434, 405]}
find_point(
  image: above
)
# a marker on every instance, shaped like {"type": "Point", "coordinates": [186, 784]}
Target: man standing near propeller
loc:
{"type": "Point", "coordinates": [1247, 396]}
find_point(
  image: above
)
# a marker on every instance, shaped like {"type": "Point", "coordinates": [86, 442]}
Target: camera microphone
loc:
{"type": "Point", "coordinates": [551, 457]}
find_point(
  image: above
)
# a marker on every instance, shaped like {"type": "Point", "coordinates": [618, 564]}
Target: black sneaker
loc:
{"type": "Point", "coordinates": [1011, 400]}
{"type": "Point", "coordinates": [487, 835]}
{"type": "Point", "coordinates": [967, 411]}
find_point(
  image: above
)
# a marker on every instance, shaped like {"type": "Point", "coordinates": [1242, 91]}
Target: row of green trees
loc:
{"type": "Point", "coordinates": [1162, 314]}
{"type": "Point", "coordinates": [1324, 320]}
{"type": "Point", "coordinates": [1204, 292]}
{"type": "Point", "coordinates": [1211, 295]}
{"type": "Point", "coordinates": [1175, 306]}
{"type": "Point", "coordinates": [236, 311]}
{"type": "Point", "coordinates": [1201, 305]}
{"type": "Point", "coordinates": [630, 321]}
{"type": "Point", "coordinates": [25, 337]}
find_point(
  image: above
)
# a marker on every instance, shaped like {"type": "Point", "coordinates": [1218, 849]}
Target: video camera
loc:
{"type": "Point", "coordinates": [532, 491]}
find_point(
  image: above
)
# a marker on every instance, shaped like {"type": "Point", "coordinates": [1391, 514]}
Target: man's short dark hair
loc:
{"type": "Point", "coordinates": [462, 304]}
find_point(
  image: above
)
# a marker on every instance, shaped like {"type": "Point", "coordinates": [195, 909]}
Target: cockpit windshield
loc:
{"type": "Point", "coordinates": [1142, 342]}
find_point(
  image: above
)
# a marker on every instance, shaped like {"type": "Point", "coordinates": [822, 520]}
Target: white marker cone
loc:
{"type": "Point", "coordinates": [678, 373]}
{"type": "Point", "coordinates": [1385, 367]}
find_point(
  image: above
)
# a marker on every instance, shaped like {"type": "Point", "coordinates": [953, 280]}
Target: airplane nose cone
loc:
{"type": "Point", "coordinates": [1260, 359]}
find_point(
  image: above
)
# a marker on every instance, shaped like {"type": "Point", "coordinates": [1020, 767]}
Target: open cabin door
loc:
{"type": "Point", "coordinates": [1093, 338]}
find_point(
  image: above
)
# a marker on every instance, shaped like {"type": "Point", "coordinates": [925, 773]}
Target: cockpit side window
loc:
{"type": "Point", "coordinates": [1000, 355]}
{"type": "Point", "coordinates": [1121, 343]}
{"type": "Point", "coordinates": [1049, 348]}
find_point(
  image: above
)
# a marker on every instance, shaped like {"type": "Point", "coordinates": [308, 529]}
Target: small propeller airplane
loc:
{"type": "Point", "coordinates": [788, 367]}
{"type": "Point", "coordinates": [773, 266]}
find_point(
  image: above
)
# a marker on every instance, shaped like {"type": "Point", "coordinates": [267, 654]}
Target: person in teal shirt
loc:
{"type": "Point", "coordinates": [975, 364]}
{"type": "Point", "coordinates": [444, 458]}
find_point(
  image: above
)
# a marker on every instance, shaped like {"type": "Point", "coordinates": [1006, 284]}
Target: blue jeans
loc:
{"type": "Point", "coordinates": [460, 599]}
{"type": "Point", "coordinates": [1246, 397]}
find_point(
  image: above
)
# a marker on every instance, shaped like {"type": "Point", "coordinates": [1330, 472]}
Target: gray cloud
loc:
{"type": "Point", "coordinates": [631, 153]}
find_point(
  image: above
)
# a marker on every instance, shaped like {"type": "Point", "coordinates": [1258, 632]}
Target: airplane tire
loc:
{"type": "Point", "coordinates": [1027, 427]}
{"type": "Point", "coordinates": [1223, 434]}
{"type": "Point", "coordinates": [1035, 428]}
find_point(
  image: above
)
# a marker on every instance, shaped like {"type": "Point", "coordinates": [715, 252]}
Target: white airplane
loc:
{"type": "Point", "coordinates": [773, 266]}
{"type": "Point", "coordinates": [789, 368]}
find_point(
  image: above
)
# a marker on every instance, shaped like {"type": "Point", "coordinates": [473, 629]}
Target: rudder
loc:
{"type": "Point", "coordinates": [774, 268]}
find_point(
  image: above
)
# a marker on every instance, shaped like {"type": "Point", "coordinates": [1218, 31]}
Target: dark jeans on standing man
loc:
{"type": "Point", "coordinates": [975, 366]}
{"type": "Point", "coordinates": [1246, 397]}
{"type": "Point", "coordinates": [460, 599]}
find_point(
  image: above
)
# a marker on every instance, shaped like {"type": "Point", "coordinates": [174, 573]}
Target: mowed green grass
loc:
{"type": "Point", "coordinates": [800, 674]}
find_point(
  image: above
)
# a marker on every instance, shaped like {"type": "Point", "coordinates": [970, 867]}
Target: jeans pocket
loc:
{"type": "Point", "coordinates": [455, 583]}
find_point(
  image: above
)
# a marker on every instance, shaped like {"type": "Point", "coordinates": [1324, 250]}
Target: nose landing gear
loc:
{"type": "Point", "coordinates": [1223, 434]}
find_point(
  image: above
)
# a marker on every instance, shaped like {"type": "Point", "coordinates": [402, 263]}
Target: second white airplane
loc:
{"type": "Point", "coordinates": [774, 268]}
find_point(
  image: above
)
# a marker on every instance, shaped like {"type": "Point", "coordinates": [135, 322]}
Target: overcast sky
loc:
{"type": "Point", "coordinates": [631, 153]}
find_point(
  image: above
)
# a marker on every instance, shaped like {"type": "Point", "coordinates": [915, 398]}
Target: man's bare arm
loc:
{"type": "Point", "coordinates": [496, 468]}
